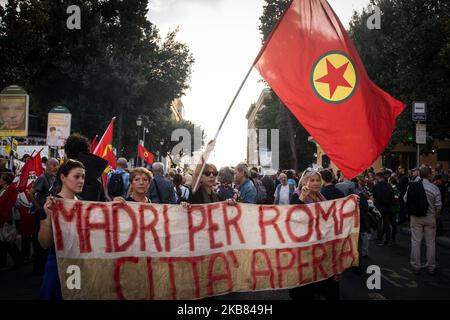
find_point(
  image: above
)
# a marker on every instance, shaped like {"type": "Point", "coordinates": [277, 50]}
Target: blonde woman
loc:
{"type": "Point", "coordinates": [308, 188]}
{"type": "Point", "coordinates": [309, 192]}
{"type": "Point", "coordinates": [140, 179]}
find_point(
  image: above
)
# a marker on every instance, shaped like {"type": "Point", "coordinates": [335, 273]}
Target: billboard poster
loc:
{"type": "Point", "coordinates": [14, 103]}
{"type": "Point", "coordinates": [58, 127]}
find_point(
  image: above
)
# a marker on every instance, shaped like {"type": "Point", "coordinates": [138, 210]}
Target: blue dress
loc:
{"type": "Point", "coordinates": [51, 286]}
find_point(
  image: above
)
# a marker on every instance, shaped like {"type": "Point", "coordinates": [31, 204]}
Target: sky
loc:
{"type": "Point", "coordinates": [224, 38]}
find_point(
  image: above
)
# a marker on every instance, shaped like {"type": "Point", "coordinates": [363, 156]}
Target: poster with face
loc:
{"type": "Point", "coordinates": [58, 128]}
{"type": "Point", "coordinates": [14, 115]}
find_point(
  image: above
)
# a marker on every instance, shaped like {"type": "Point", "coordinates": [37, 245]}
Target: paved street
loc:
{"type": "Point", "coordinates": [397, 280]}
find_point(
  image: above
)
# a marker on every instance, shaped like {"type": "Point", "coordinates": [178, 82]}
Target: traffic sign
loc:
{"type": "Point", "coordinates": [421, 133]}
{"type": "Point", "coordinates": [419, 111]}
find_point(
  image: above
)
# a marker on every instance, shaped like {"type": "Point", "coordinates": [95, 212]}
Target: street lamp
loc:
{"type": "Point", "coordinates": [139, 121]}
{"type": "Point", "coordinates": [139, 124]}
{"type": "Point", "coordinates": [161, 143]}
{"type": "Point", "coordinates": [143, 137]}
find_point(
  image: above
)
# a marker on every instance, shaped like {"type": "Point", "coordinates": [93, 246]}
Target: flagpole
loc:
{"type": "Point", "coordinates": [258, 56]}
{"type": "Point", "coordinates": [223, 120]}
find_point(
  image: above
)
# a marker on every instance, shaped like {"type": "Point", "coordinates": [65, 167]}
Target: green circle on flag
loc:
{"type": "Point", "coordinates": [334, 78]}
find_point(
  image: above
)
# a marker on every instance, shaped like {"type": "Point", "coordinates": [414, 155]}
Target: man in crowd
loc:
{"type": "Point", "coordinates": [77, 148]}
{"type": "Point", "coordinates": [283, 191]}
{"type": "Point", "coordinates": [42, 188]}
{"type": "Point", "coordinates": [117, 181]}
{"type": "Point", "coordinates": [425, 226]}
{"type": "Point", "coordinates": [415, 175]}
{"type": "Point", "coordinates": [403, 182]}
{"type": "Point", "coordinates": [268, 182]}
{"type": "Point", "coordinates": [384, 200]}
{"type": "Point", "coordinates": [246, 188]}
{"type": "Point", "coordinates": [161, 189]}
{"type": "Point", "coordinates": [346, 186]}
{"type": "Point", "coordinates": [329, 190]}
{"type": "Point", "coordinates": [290, 177]}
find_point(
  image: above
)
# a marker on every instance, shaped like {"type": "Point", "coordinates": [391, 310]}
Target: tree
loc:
{"type": "Point", "coordinates": [409, 58]}
{"type": "Point", "coordinates": [115, 65]}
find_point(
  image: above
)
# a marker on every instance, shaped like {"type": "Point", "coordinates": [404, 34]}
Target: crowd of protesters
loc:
{"type": "Point", "coordinates": [383, 200]}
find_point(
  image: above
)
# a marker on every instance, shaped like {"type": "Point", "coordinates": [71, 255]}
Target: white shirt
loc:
{"type": "Point", "coordinates": [284, 194]}
{"type": "Point", "coordinates": [184, 193]}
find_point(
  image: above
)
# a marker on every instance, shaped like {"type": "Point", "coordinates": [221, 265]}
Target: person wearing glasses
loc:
{"type": "Point", "coordinates": [205, 192]}
{"type": "Point", "coordinates": [309, 192]}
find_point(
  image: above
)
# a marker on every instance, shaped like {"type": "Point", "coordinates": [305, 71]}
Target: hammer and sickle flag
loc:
{"type": "Point", "coordinates": [145, 155]}
{"type": "Point", "coordinates": [312, 65]}
{"type": "Point", "coordinates": [104, 147]}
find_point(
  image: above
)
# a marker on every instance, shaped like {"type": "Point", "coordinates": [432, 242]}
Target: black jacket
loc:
{"type": "Point", "coordinates": [93, 186]}
{"type": "Point", "coordinates": [403, 182]}
{"type": "Point", "coordinates": [331, 192]}
{"type": "Point", "coordinates": [270, 189]}
{"type": "Point", "coordinates": [383, 196]}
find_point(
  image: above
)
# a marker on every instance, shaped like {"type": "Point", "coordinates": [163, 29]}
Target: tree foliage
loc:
{"type": "Point", "coordinates": [409, 57]}
{"type": "Point", "coordinates": [117, 64]}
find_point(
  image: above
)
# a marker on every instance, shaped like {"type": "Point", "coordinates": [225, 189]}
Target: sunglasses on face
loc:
{"type": "Point", "coordinates": [214, 173]}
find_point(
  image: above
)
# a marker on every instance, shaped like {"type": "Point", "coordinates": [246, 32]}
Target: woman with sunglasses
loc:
{"type": "Point", "coordinates": [309, 192]}
{"type": "Point", "coordinates": [205, 193]}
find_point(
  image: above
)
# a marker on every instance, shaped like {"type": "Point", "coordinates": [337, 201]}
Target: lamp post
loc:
{"type": "Point", "coordinates": [139, 124]}
{"type": "Point", "coordinates": [143, 137]}
{"type": "Point", "coordinates": [161, 143]}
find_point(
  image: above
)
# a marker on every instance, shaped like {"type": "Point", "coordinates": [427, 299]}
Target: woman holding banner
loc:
{"type": "Point", "coordinates": [309, 192]}
{"type": "Point", "coordinates": [205, 192]}
{"type": "Point", "coordinates": [70, 181]}
{"type": "Point", "coordinates": [140, 179]}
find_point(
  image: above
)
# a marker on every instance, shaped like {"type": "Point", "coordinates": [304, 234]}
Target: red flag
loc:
{"type": "Point", "coordinates": [145, 155]}
{"type": "Point", "coordinates": [104, 150]}
{"type": "Point", "coordinates": [7, 201]}
{"type": "Point", "coordinates": [104, 147]}
{"type": "Point", "coordinates": [313, 67]}
{"type": "Point", "coordinates": [94, 144]}
{"type": "Point", "coordinates": [33, 164]}
{"type": "Point", "coordinates": [38, 164]}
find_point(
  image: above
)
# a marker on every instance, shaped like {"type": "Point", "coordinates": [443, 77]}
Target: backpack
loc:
{"type": "Point", "coordinates": [261, 193]}
{"type": "Point", "coordinates": [416, 199]}
{"type": "Point", "coordinates": [115, 185]}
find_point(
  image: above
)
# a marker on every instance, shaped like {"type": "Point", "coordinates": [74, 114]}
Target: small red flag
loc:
{"type": "Point", "coordinates": [314, 68]}
{"type": "Point", "coordinates": [94, 144]}
{"type": "Point", "coordinates": [7, 201]}
{"type": "Point", "coordinates": [33, 164]}
{"type": "Point", "coordinates": [145, 155]}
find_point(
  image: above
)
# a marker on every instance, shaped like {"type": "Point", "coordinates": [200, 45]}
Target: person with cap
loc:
{"type": "Point", "coordinates": [414, 175]}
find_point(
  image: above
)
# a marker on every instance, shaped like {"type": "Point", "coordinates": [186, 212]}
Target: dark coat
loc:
{"type": "Point", "coordinates": [93, 186]}
{"type": "Point", "coordinates": [166, 191]}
